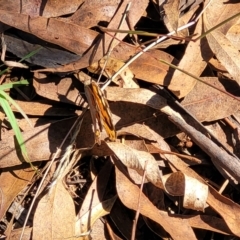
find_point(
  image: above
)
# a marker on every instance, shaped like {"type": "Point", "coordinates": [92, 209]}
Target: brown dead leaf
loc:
{"type": "Point", "coordinates": [216, 65]}
{"type": "Point", "coordinates": [47, 55]}
{"type": "Point", "coordinates": [207, 222]}
{"type": "Point", "coordinates": [43, 108]}
{"type": "Point", "coordinates": [194, 61]}
{"type": "Point", "coordinates": [228, 210]}
{"type": "Point", "coordinates": [56, 88]}
{"type": "Point", "coordinates": [39, 8]}
{"type": "Point", "coordinates": [171, 9]}
{"type": "Point", "coordinates": [194, 193]}
{"type": "Point", "coordinates": [91, 12]}
{"type": "Point", "coordinates": [137, 160]}
{"type": "Point", "coordinates": [141, 96]}
{"type": "Point", "coordinates": [55, 215]}
{"type": "Point", "coordinates": [16, 233]}
{"type": "Point", "coordinates": [98, 51]}
{"type": "Point", "coordinates": [139, 130]}
{"type": "Point", "coordinates": [223, 133]}
{"type": "Point", "coordinates": [148, 68]}
{"type": "Point", "coordinates": [41, 142]}
{"type": "Point", "coordinates": [220, 204]}
{"type": "Point", "coordinates": [218, 155]}
{"type": "Point", "coordinates": [233, 35]}
{"type": "Point", "coordinates": [208, 104]}
{"type": "Point", "coordinates": [129, 193]}
{"type": "Point", "coordinates": [71, 37]}
{"type": "Point", "coordinates": [224, 50]}
{"type": "Point", "coordinates": [12, 182]}
{"type": "Point", "coordinates": [85, 223]}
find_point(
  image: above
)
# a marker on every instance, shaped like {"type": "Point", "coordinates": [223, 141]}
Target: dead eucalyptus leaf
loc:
{"type": "Point", "coordinates": [85, 223]}
{"type": "Point", "coordinates": [136, 160]}
{"type": "Point", "coordinates": [91, 12]}
{"type": "Point", "coordinates": [141, 96]}
{"type": "Point", "coordinates": [35, 8]}
{"type": "Point", "coordinates": [171, 9]}
{"type": "Point", "coordinates": [209, 104]}
{"type": "Point", "coordinates": [129, 194]}
{"type": "Point", "coordinates": [51, 219]}
{"type": "Point", "coordinates": [224, 50]}
{"type": "Point", "coordinates": [194, 61]}
{"type": "Point", "coordinates": [233, 35]}
{"type": "Point", "coordinates": [71, 37]}
{"type": "Point", "coordinates": [194, 193]}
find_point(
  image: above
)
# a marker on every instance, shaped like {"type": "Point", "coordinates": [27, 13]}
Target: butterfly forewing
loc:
{"type": "Point", "coordinates": [100, 111]}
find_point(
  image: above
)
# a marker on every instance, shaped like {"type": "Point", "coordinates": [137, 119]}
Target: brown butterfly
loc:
{"type": "Point", "coordinates": [100, 111]}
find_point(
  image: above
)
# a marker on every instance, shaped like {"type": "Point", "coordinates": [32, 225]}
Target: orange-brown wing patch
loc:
{"type": "Point", "coordinates": [104, 110]}
{"type": "Point", "coordinates": [100, 111]}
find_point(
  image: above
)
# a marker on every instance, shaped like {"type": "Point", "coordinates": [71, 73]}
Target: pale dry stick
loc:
{"type": "Point", "coordinates": [45, 175]}
{"type": "Point", "coordinates": [110, 48]}
{"type": "Point", "coordinates": [152, 45]}
{"type": "Point", "coordinates": [9, 63]}
{"type": "Point", "coordinates": [138, 208]}
{"type": "Point", "coordinates": [2, 78]}
{"type": "Point", "coordinates": [226, 182]}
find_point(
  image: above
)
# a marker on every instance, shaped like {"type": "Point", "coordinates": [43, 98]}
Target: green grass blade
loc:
{"type": "Point", "coordinates": [8, 111]}
{"type": "Point", "coordinates": [13, 84]}
{"type": "Point", "coordinates": [30, 54]}
{"type": "Point", "coordinates": [8, 98]}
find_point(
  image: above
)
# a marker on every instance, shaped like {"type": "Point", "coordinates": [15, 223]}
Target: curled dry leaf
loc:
{"type": "Point", "coordinates": [85, 223]}
{"type": "Point", "coordinates": [136, 160]}
{"type": "Point", "coordinates": [129, 194]}
{"type": "Point", "coordinates": [194, 193]}
{"type": "Point", "coordinates": [222, 205]}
